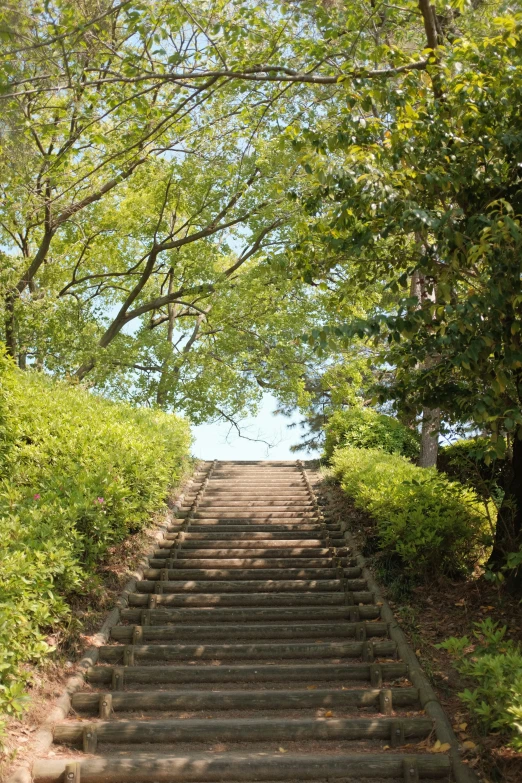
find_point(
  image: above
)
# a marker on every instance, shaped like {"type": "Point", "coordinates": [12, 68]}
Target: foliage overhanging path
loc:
{"type": "Point", "coordinates": [194, 108]}
{"type": "Point", "coordinates": [254, 606]}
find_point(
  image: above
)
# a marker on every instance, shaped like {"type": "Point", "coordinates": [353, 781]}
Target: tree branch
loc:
{"type": "Point", "coordinates": [238, 430]}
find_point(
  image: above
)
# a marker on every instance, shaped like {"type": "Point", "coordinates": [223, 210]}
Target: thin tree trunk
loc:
{"type": "Point", "coordinates": [429, 437]}
{"type": "Point", "coordinates": [161, 394]}
{"type": "Point", "coordinates": [429, 446]}
{"type": "Point", "coordinates": [10, 324]}
{"type": "Point", "coordinates": [508, 534]}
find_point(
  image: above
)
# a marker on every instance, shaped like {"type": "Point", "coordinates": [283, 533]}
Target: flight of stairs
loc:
{"type": "Point", "coordinates": [251, 651]}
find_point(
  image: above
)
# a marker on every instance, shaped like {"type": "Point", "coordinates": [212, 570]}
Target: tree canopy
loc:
{"type": "Point", "coordinates": [203, 200]}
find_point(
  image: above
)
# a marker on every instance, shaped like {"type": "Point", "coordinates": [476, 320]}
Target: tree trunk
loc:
{"type": "Point", "coordinates": [161, 394]}
{"type": "Point", "coordinates": [429, 437]}
{"type": "Point", "coordinates": [508, 535]}
{"type": "Point", "coordinates": [10, 326]}
{"type": "Point", "coordinates": [429, 447]}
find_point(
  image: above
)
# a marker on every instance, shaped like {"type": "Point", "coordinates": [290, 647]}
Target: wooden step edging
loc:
{"type": "Point", "coordinates": [165, 730]}
{"type": "Point", "coordinates": [165, 615]}
{"type": "Point", "coordinates": [43, 737]}
{"type": "Point", "coordinates": [428, 698]}
{"type": "Point", "coordinates": [127, 654]}
{"type": "Point", "coordinates": [376, 674]}
{"type": "Point", "coordinates": [127, 767]}
{"type": "Point", "coordinates": [90, 703]}
{"type": "Point", "coordinates": [210, 768]}
{"type": "Point", "coordinates": [249, 631]}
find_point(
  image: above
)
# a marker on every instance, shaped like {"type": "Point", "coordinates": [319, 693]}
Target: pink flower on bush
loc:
{"type": "Point", "coordinates": [100, 501]}
{"type": "Point", "coordinates": [37, 496]}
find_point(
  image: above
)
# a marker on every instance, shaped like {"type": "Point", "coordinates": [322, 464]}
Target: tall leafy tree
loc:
{"type": "Point", "coordinates": [164, 109]}
{"type": "Point", "coordinates": [423, 181]}
{"type": "Point", "coordinates": [91, 92]}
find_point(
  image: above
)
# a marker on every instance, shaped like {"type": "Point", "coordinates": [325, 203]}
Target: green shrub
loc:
{"type": "Point", "coordinates": [77, 474]}
{"type": "Point", "coordinates": [432, 524]}
{"type": "Point", "coordinates": [465, 461]}
{"type": "Point", "coordinates": [364, 428]}
{"type": "Point", "coordinates": [495, 664]}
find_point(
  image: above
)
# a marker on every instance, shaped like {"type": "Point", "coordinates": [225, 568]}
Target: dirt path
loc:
{"type": "Point", "coordinates": [256, 648]}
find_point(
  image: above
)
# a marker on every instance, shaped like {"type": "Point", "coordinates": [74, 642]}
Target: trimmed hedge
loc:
{"type": "Point", "coordinates": [432, 524]}
{"type": "Point", "coordinates": [78, 474]}
{"type": "Point", "coordinates": [364, 428]}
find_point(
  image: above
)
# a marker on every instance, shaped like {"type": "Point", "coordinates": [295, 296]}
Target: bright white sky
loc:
{"type": "Point", "coordinates": [220, 441]}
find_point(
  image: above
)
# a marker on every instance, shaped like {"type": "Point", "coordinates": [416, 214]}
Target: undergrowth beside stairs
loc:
{"type": "Point", "coordinates": [430, 525]}
{"type": "Point", "coordinates": [78, 474]}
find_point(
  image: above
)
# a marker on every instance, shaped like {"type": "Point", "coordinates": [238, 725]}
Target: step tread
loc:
{"type": "Point", "coordinates": [253, 608]}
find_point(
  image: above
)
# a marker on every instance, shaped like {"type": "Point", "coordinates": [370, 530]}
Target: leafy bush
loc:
{"type": "Point", "coordinates": [468, 462]}
{"type": "Point", "coordinates": [431, 524]}
{"type": "Point", "coordinates": [364, 428]}
{"type": "Point", "coordinates": [77, 474]}
{"type": "Point", "coordinates": [496, 665]}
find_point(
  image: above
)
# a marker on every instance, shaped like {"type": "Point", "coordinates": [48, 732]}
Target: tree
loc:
{"type": "Point", "coordinates": [92, 92]}
{"type": "Point", "coordinates": [103, 96]}
{"type": "Point", "coordinates": [333, 387]}
{"type": "Point", "coordinates": [425, 179]}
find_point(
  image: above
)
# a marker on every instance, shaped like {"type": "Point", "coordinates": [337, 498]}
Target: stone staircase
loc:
{"type": "Point", "coordinates": [252, 650]}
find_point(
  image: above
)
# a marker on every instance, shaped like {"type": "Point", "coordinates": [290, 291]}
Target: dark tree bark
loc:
{"type": "Point", "coordinates": [508, 535]}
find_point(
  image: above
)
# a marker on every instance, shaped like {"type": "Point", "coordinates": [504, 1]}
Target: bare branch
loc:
{"type": "Point", "coordinates": [239, 432]}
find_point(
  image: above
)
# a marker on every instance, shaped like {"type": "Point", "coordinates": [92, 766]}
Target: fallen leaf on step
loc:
{"type": "Point", "coordinates": [469, 745]}
{"type": "Point", "coordinates": [282, 750]}
{"type": "Point", "coordinates": [328, 714]}
{"type": "Point", "coordinates": [440, 747]}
